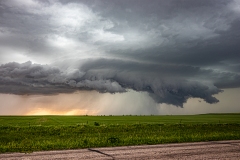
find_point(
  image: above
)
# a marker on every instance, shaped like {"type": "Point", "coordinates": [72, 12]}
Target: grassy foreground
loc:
{"type": "Point", "coordinates": [35, 133]}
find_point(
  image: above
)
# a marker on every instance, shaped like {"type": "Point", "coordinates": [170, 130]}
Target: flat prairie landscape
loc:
{"type": "Point", "coordinates": [36, 133]}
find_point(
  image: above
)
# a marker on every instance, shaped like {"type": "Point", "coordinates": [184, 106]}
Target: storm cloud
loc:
{"type": "Point", "coordinates": [173, 50]}
{"type": "Point", "coordinates": [171, 84]}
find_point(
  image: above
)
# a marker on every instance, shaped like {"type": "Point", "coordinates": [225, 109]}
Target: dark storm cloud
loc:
{"type": "Point", "coordinates": [174, 50]}
{"type": "Point", "coordinates": [167, 86]}
{"type": "Point", "coordinates": [198, 33]}
{"type": "Point", "coordinates": [153, 29]}
{"type": "Point", "coordinates": [28, 78]}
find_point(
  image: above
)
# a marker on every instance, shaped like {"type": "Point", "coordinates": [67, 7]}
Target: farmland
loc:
{"type": "Point", "coordinates": [35, 133]}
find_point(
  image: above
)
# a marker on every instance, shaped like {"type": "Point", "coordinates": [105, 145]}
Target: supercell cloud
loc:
{"type": "Point", "coordinates": [173, 50]}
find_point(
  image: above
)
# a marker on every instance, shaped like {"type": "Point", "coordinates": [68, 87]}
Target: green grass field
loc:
{"type": "Point", "coordinates": [35, 133]}
{"type": "Point", "coordinates": [114, 120]}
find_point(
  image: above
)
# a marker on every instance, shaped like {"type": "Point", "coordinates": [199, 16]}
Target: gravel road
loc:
{"type": "Point", "coordinates": [198, 150]}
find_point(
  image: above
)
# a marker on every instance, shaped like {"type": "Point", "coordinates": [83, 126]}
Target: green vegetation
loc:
{"type": "Point", "coordinates": [35, 133]}
{"type": "Point", "coordinates": [21, 121]}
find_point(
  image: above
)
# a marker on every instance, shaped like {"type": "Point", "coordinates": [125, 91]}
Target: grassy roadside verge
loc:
{"type": "Point", "coordinates": [36, 138]}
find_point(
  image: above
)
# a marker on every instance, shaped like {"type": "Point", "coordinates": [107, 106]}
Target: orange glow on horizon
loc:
{"type": "Point", "coordinates": [44, 111]}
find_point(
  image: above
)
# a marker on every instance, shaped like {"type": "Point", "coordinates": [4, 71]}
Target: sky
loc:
{"type": "Point", "coordinates": [100, 57]}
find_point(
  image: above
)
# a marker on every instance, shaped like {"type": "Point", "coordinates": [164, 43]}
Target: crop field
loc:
{"type": "Point", "coordinates": [35, 133]}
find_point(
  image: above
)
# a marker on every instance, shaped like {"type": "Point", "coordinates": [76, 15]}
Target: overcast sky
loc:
{"type": "Point", "coordinates": [119, 56]}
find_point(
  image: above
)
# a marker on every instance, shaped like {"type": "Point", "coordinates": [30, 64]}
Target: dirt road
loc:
{"type": "Point", "coordinates": [201, 150]}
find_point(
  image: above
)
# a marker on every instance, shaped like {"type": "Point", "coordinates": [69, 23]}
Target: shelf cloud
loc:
{"type": "Point", "coordinates": [171, 84]}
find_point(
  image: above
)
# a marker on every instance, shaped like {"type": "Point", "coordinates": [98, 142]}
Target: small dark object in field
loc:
{"type": "Point", "coordinates": [96, 124]}
{"type": "Point", "coordinates": [85, 141]}
{"type": "Point", "coordinates": [113, 140]}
